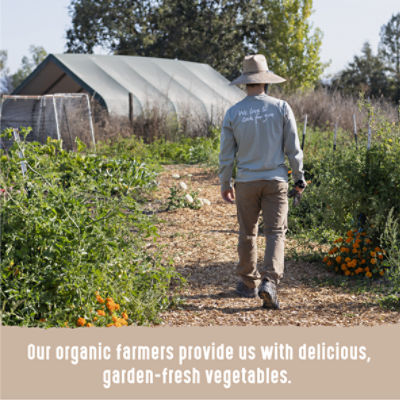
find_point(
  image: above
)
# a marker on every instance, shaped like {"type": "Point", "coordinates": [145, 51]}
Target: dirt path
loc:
{"type": "Point", "coordinates": [203, 244]}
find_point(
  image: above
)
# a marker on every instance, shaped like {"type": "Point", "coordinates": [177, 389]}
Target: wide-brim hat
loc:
{"type": "Point", "coordinates": [255, 70]}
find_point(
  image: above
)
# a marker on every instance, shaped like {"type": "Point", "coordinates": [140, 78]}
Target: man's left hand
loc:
{"type": "Point", "coordinates": [228, 195]}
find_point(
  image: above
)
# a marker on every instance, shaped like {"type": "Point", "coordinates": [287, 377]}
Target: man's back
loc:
{"type": "Point", "coordinates": [260, 130]}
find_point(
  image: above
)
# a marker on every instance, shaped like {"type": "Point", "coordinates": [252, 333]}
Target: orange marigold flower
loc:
{"type": "Point", "coordinates": [81, 321]}
{"type": "Point", "coordinates": [368, 240]}
{"type": "Point", "coordinates": [373, 261]}
{"type": "Point", "coordinates": [354, 251]}
{"type": "Point", "coordinates": [124, 315]}
{"type": "Point", "coordinates": [356, 245]}
{"type": "Point", "coordinates": [347, 273]}
{"type": "Point", "coordinates": [377, 249]}
{"type": "Point", "coordinates": [290, 171]}
{"type": "Point", "coordinates": [343, 267]}
{"type": "Point", "coordinates": [325, 259]}
{"type": "Point", "coordinates": [111, 306]}
{"type": "Point", "coordinates": [329, 263]}
{"type": "Point", "coordinates": [101, 312]}
{"type": "Point", "coordinates": [66, 324]}
{"type": "Point", "coordinates": [89, 325]}
{"type": "Point", "coordinates": [380, 256]}
{"type": "Point", "coordinates": [368, 274]}
{"type": "Point", "coordinates": [349, 233]}
{"type": "Point", "coordinates": [347, 259]}
{"type": "Point", "coordinates": [95, 318]}
{"type": "Point", "coordinates": [365, 249]}
{"type": "Point", "coordinates": [347, 250]}
{"type": "Point", "coordinates": [363, 261]}
{"type": "Point", "coordinates": [382, 272]}
{"type": "Point", "coordinates": [99, 299]}
{"type": "Point", "coordinates": [108, 325]}
{"type": "Point", "coordinates": [42, 319]}
{"type": "Point", "coordinates": [349, 240]}
{"type": "Point", "coordinates": [117, 307]}
{"type": "Point", "coordinates": [338, 259]}
{"type": "Point", "coordinates": [114, 318]}
{"type": "Point", "coordinates": [373, 254]}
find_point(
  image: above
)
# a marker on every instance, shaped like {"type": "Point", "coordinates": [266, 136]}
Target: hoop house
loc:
{"type": "Point", "coordinates": [128, 85]}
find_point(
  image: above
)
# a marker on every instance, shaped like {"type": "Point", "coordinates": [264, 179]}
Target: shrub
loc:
{"type": "Point", "coordinates": [70, 228]}
{"type": "Point", "coordinates": [356, 254]}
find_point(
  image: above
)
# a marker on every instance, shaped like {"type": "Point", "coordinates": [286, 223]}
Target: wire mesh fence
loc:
{"type": "Point", "coordinates": [59, 116]}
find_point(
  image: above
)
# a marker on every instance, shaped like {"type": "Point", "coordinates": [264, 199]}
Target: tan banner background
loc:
{"type": "Point", "coordinates": [375, 375]}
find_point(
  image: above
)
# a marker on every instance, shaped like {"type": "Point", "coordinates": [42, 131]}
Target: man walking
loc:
{"type": "Point", "coordinates": [258, 132]}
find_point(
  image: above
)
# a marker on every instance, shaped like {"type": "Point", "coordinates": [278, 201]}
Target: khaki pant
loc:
{"type": "Point", "coordinates": [271, 198]}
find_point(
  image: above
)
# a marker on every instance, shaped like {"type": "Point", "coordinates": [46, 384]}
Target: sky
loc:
{"type": "Point", "coordinates": [346, 25]}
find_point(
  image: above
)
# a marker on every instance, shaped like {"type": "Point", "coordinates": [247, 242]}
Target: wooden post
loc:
{"type": "Point", "coordinates": [20, 153]}
{"type": "Point", "coordinates": [369, 133]}
{"type": "Point", "coordinates": [335, 136]}
{"type": "Point", "coordinates": [56, 118]}
{"type": "Point", "coordinates": [355, 130]}
{"type": "Point", "coordinates": [91, 121]}
{"type": "Point", "coordinates": [131, 108]}
{"type": "Point", "coordinates": [67, 125]}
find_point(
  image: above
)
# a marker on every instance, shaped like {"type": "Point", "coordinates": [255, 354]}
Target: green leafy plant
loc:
{"type": "Point", "coordinates": [179, 199]}
{"type": "Point", "coordinates": [71, 227]}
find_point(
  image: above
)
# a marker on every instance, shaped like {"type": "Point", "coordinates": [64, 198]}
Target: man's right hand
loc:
{"type": "Point", "coordinates": [228, 195]}
{"type": "Point", "coordinates": [297, 191]}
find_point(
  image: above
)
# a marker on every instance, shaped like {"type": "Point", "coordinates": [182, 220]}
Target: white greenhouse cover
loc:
{"type": "Point", "coordinates": [179, 86]}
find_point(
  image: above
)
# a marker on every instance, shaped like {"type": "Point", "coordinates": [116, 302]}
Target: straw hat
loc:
{"type": "Point", "coordinates": [255, 70]}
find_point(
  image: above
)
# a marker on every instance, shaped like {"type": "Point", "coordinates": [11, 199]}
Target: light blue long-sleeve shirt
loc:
{"type": "Point", "coordinates": [259, 131]}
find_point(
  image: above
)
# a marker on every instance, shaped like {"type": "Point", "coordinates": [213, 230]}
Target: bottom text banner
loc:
{"type": "Point", "coordinates": [200, 363]}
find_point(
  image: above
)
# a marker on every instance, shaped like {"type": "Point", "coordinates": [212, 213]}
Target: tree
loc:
{"type": "Point", "coordinates": [282, 32]}
{"type": "Point", "coordinates": [38, 54]}
{"type": "Point", "coordinates": [390, 48]}
{"type": "Point", "coordinates": [390, 44]}
{"type": "Point", "coordinates": [366, 73]}
{"type": "Point", "coordinates": [9, 82]}
{"type": "Point", "coordinates": [5, 79]}
{"type": "Point", "coordinates": [217, 32]}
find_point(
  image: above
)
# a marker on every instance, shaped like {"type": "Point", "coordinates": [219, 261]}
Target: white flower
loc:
{"type": "Point", "coordinates": [183, 185]}
{"type": "Point", "coordinates": [200, 201]}
{"type": "Point", "coordinates": [206, 202]}
{"type": "Point", "coordinates": [189, 198]}
{"type": "Point", "coordinates": [176, 176]}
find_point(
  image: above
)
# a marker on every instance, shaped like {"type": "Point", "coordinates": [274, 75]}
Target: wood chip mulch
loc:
{"type": "Point", "coordinates": [203, 246]}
